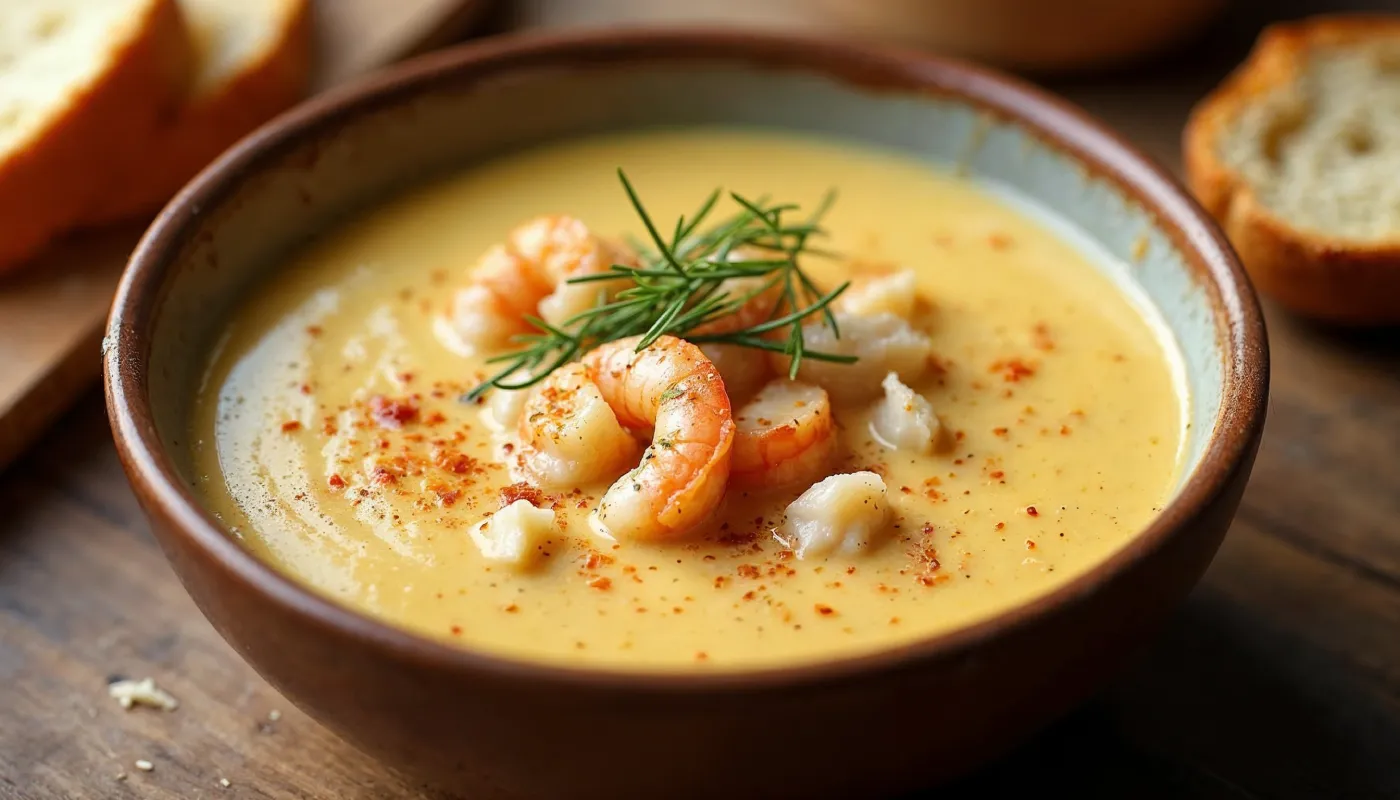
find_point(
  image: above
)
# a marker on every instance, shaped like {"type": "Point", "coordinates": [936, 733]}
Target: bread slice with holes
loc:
{"type": "Point", "coordinates": [83, 85]}
{"type": "Point", "coordinates": [253, 61]}
{"type": "Point", "coordinates": [1297, 154]}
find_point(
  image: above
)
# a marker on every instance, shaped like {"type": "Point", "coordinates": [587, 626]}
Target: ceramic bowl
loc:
{"type": "Point", "coordinates": [859, 726]}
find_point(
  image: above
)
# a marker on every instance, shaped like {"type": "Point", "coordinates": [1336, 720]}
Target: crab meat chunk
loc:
{"type": "Point", "coordinates": [840, 514]}
{"type": "Point", "coordinates": [881, 343]}
{"type": "Point", "coordinates": [895, 293]}
{"type": "Point", "coordinates": [904, 419]}
{"type": "Point", "coordinates": [515, 536]}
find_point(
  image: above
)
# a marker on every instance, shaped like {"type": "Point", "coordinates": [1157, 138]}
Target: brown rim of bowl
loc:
{"type": "Point", "coordinates": [1067, 128]}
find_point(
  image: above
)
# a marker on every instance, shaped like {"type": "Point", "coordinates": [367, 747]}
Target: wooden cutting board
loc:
{"type": "Point", "coordinates": [52, 312]}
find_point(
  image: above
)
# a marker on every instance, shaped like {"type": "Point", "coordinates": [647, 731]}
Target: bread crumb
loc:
{"type": "Point", "coordinates": [224, 782]}
{"type": "Point", "coordinates": [274, 715]}
{"type": "Point", "coordinates": [144, 765]}
{"type": "Point", "coordinates": [144, 692]}
{"type": "Point", "coordinates": [121, 775]}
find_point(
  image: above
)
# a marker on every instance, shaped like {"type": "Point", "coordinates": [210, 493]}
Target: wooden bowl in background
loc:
{"type": "Point", "coordinates": [1031, 35]}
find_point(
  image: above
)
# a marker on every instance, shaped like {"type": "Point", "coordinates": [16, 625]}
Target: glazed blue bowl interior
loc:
{"type": "Point", "coordinates": [364, 152]}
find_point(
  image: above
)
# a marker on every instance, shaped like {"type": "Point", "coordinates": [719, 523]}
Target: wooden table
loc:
{"type": "Point", "coordinates": [1279, 678]}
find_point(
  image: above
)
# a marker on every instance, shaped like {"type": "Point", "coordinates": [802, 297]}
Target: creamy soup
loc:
{"type": "Point", "coordinates": [333, 440]}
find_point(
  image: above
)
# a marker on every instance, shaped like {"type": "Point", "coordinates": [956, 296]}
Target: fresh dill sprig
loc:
{"type": "Point", "coordinates": [677, 287]}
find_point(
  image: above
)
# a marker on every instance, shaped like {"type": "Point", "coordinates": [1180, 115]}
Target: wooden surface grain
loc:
{"type": "Point", "coordinates": [1279, 678]}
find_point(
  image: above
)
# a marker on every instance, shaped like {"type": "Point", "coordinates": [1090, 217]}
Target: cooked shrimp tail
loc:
{"type": "Point", "coordinates": [671, 388]}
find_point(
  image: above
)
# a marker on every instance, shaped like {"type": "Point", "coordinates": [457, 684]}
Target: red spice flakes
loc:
{"type": "Point", "coordinates": [720, 581]}
{"type": "Point", "coordinates": [894, 620]}
{"type": "Point", "coordinates": [824, 609]}
{"type": "Point", "coordinates": [522, 491]}
{"type": "Point", "coordinates": [328, 427]}
{"type": "Point", "coordinates": [850, 570]}
{"type": "Point", "coordinates": [456, 630]}
{"type": "Point", "coordinates": [905, 490]}
{"type": "Point", "coordinates": [702, 656]}
{"type": "Point", "coordinates": [313, 330]}
{"type": "Point", "coordinates": [291, 425]}
{"type": "Point", "coordinates": [749, 571]}
{"type": "Point", "coordinates": [596, 559]}
{"type": "Point", "coordinates": [1001, 525]}
{"type": "Point", "coordinates": [336, 482]}
{"type": "Point", "coordinates": [923, 552]}
{"type": "Point", "coordinates": [958, 436]}
{"type": "Point", "coordinates": [1030, 545]}
{"type": "Point", "coordinates": [305, 388]}
{"type": "Point", "coordinates": [435, 418]}
{"type": "Point", "coordinates": [999, 241]}
{"type": "Point", "coordinates": [511, 609]}
{"type": "Point", "coordinates": [996, 474]}
{"type": "Point", "coordinates": [1012, 370]}
{"type": "Point", "coordinates": [602, 583]}
{"type": "Point", "coordinates": [393, 414]}
{"type": "Point", "coordinates": [446, 497]}
{"type": "Point", "coordinates": [1030, 511]}
{"type": "Point", "coordinates": [1065, 430]}
{"type": "Point", "coordinates": [1040, 337]}
{"type": "Point", "coordinates": [1001, 432]}
{"type": "Point", "coordinates": [747, 537]}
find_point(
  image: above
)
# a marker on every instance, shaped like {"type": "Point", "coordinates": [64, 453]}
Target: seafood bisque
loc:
{"type": "Point", "coordinates": [642, 483]}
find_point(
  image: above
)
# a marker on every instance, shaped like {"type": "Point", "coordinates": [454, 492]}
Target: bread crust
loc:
{"type": "Point", "coordinates": [1329, 278]}
{"type": "Point", "coordinates": [207, 125]}
{"type": "Point", "coordinates": [49, 186]}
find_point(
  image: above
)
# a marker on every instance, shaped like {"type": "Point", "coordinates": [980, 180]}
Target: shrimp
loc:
{"type": "Point", "coordinates": [744, 369]}
{"type": "Point", "coordinates": [568, 434]}
{"type": "Point", "coordinates": [785, 435]}
{"type": "Point", "coordinates": [672, 388]}
{"type": "Point", "coordinates": [527, 276]}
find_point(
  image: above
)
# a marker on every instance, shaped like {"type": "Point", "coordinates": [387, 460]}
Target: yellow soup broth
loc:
{"type": "Point", "coordinates": [331, 438]}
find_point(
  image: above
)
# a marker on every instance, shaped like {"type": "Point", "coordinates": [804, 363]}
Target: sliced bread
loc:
{"type": "Point", "coordinates": [83, 84]}
{"type": "Point", "coordinates": [253, 61]}
{"type": "Point", "coordinates": [1297, 154]}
